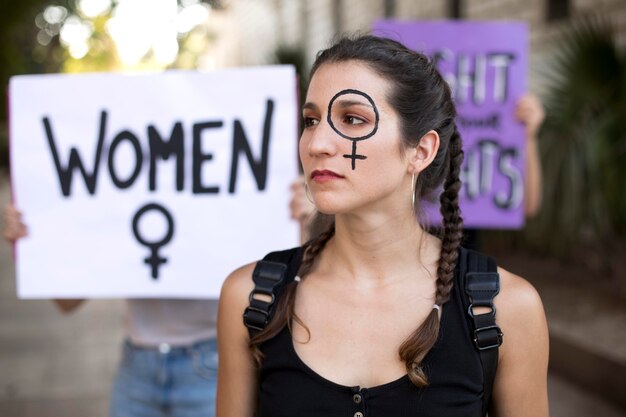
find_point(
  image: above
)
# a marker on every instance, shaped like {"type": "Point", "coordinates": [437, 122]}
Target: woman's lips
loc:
{"type": "Point", "coordinates": [324, 175]}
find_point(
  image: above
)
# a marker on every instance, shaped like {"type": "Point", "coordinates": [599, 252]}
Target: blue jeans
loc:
{"type": "Point", "coordinates": [172, 382]}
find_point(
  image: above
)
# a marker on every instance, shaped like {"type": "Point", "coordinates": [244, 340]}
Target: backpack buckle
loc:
{"type": "Point", "coordinates": [254, 321]}
{"type": "Point", "coordinates": [488, 337]}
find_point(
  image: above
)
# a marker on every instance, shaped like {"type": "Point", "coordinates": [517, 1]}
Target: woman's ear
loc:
{"type": "Point", "coordinates": [422, 155]}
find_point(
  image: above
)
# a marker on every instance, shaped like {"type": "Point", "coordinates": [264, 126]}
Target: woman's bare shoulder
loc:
{"type": "Point", "coordinates": [239, 283]}
{"type": "Point", "coordinates": [520, 386]}
{"type": "Point", "coordinates": [516, 294]}
{"type": "Point", "coordinates": [234, 298]}
{"type": "Point", "coordinates": [520, 313]}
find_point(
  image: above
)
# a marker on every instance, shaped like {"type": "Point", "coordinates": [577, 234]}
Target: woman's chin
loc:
{"type": "Point", "coordinates": [329, 207]}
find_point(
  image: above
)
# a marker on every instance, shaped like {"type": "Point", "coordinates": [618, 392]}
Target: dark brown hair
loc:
{"type": "Point", "coordinates": [422, 99]}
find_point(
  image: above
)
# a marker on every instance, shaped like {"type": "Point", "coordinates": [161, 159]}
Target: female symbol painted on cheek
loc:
{"type": "Point", "coordinates": [351, 136]}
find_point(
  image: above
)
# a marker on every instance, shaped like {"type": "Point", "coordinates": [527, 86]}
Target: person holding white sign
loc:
{"type": "Point", "coordinates": [169, 358]}
{"type": "Point", "coordinates": [369, 318]}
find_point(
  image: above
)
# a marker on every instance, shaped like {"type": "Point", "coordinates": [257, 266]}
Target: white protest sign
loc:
{"type": "Point", "coordinates": [151, 185]}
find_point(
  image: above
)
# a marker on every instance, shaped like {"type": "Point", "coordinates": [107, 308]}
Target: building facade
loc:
{"type": "Point", "coordinates": [249, 31]}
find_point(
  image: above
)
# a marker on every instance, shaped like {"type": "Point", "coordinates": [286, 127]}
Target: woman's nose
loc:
{"type": "Point", "coordinates": [322, 140]}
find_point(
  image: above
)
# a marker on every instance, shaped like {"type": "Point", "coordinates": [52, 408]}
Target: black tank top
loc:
{"type": "Point", "coordinates": [289, 388]}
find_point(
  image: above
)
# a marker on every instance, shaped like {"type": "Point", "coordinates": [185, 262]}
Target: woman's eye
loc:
{"type": "Point", "coordinates": [353, 120]}
{"type": "Point", "coordinates": [310, 121]}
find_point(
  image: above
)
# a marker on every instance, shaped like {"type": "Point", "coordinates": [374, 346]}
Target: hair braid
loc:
{"type": "Point", "coordinates": [284, 311]}
{"type": "Point", "coordinates": [452, 221]}
{"type": "Point", "coordinates": [415, 348]}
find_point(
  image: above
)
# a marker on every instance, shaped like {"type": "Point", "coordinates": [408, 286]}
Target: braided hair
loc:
{"type": "Point", "coordinates": [423, 101]}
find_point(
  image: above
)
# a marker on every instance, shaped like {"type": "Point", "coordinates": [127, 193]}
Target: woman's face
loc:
{"type": "Point", "coordinates": [351, 144]}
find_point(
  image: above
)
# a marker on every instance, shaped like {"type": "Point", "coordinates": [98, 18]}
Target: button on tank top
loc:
{"type": "Point", "coordinates": [288, 387]}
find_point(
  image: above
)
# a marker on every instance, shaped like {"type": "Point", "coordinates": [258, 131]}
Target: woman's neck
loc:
{"type": "Point", "coordinates": [377, 247]}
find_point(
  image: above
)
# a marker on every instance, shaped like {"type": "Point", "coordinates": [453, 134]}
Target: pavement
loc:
{"type": "Point", "coordinates": [58, 365]}
{"type": "Point", "coordinates": [586, 312]}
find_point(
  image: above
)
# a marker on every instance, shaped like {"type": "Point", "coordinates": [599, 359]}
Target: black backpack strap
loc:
{"type": "Point", "coordinates": [270, 276]}
{"type": "Point", "coordinates": [482, 284]}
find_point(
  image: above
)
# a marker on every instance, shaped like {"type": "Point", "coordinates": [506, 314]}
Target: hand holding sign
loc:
{"type": "Point", "coordinates": [14, 228]}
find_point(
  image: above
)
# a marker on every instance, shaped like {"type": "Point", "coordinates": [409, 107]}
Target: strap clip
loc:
{"type": "Point", "coordinates": [252, 322]}
{"type": "Point", "coordinates": [494, 337]}
{"type": "Point", "coordinates": [268, 277]}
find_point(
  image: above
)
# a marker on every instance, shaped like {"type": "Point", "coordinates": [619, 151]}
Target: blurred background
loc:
{"type": "Point", "coordinates": [573, 251]}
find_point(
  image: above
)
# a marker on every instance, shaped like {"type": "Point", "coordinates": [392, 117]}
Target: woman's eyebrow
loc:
{"type": "Point", "coordinates": [347, 103]}
{"type": "Point", "coordinates": [310, 106]}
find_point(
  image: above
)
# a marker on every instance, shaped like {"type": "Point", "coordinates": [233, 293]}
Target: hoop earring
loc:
{"type": "Point", "coordinates": [308, 193]}
{"type": "Point", "coordinates": [413, 183]}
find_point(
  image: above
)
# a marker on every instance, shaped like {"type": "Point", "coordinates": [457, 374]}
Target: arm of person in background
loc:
{"type": "Point", "coordinates": [529, 111]}
{"type": "Point", "coordinates": [15, 229]}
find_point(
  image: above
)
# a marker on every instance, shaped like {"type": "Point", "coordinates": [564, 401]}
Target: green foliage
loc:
{"type": "Point", "coordinates": [18, 33]}
{"type": "Point", "coordinates": [583, 144]}
{"type": "Point", "coordinates": [32, 46]}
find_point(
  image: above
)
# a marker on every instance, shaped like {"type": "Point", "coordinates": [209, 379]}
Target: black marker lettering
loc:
{"type": "Point", "coordinates": [161, 148]}
{"type": "Point", "coordinates": [164, 149]}
{"type": "Point", "coordinates": [469, 77]}
{"type": "Point", "coordinates": [199, 158]}
{"type": "Point", "coordinates": [480, 168]}
{"type": "Point", "coordinates": [491, 121]}
{"type": "Point", "coordinates": [501, 63]}
{"type": "Point", "coordinates": [65, 174]}
{"type": "Point", "coordinates": [513, 198]}
{"type": "Point", "coordinates": [487, 149]}
{"type": "Point", "coordinates": [473, 80]}
{"type": "Point", "coordinates": [480, 80]}
{"type": "Point", "coordinates": [465, 79]}
{"type": "Point", "coordinates": [445, 55]}
{"type": "Point", "coordinates": [241, 145]}
{"type": "Point", "coordinates": [470, 175]}
{"type": "Point", "coordinates": [132, 139]}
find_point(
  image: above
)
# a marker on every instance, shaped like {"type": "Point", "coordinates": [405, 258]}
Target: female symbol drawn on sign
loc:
{"type": "Point", "coordinates": [154, 260]}
{"type": "Point", "coordinates": [352, 131]}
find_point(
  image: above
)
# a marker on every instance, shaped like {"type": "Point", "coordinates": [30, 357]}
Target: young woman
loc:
{"type": "Point", "coordinates": [374, 326]}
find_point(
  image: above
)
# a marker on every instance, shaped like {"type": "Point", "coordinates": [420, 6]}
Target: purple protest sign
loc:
{"type": "Point", "coordinates": [485, 64]}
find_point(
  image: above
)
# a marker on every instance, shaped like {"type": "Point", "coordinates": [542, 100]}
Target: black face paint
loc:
{"type": "Point", "coordinates": [354, 156]}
